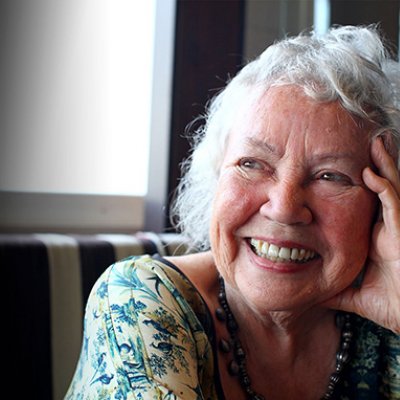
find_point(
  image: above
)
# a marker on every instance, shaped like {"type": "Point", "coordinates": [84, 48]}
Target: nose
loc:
{"type": "Point", "coordinates": [286, 204]}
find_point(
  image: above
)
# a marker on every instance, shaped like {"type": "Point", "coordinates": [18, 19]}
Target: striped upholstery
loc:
{"type": "Point", "coordinates": [48, 278]}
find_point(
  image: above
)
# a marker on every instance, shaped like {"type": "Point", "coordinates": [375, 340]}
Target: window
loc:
{"type": "Point", "coordinates": [80, 79]}
{"type": "Point", "coordinates": [322, 15]}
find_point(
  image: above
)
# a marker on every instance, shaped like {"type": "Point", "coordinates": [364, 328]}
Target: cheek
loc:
{"type": "Point", "coordinates": [233, 205]}
{"type": "Point", "coordinates": [346, 225]}
{"type": "Point", "coordinates": [235, 202]}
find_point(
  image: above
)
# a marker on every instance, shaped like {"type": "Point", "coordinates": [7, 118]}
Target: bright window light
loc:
{"type": "Point", "coordinates": [322, 16]}
{"type": "Point", "coordinates": [78, 78]}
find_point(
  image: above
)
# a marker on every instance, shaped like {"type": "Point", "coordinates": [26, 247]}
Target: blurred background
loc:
{"type": "Point", "coordinates": [96, 96]}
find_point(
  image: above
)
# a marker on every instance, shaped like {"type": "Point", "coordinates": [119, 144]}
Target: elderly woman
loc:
{"type": "Point", "coordinates": [292, 196]}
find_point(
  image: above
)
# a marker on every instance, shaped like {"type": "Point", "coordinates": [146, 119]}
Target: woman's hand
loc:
{"type": "Point", "coordinates": [378, 298]}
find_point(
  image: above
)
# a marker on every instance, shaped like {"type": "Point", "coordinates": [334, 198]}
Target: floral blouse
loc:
{"type": "Point", "coordinates": [149, 335]}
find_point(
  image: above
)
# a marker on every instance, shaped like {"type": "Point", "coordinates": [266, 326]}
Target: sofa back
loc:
{"type": "Point", "coordinates": [48, 278]}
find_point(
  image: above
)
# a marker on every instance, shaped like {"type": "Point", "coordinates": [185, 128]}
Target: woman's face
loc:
{"type": "Point", "coordinates": [291, 216]}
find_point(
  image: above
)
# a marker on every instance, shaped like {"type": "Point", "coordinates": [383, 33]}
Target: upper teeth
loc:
{"type": "Point", "coordinates": [275, 253]}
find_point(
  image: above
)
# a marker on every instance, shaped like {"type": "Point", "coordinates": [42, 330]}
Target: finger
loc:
{"type": "Point", "coordinates": [388, 197]}
{"type": "Point", "coordinates": [385, 163]}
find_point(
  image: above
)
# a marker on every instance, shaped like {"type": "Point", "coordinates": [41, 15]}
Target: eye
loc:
{"type": "Point", "coordinates": [334, 177]}
{"type": "Point", "coordinates": [250, 163]}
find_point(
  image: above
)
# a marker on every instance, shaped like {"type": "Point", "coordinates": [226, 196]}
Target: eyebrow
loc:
{"type": "Point", "coordinates": [251, 142]}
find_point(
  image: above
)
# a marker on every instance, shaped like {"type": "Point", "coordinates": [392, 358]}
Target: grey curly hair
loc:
{"type": "Point", "coordinates": [349, 64]}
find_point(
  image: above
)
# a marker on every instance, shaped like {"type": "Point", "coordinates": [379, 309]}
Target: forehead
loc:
{"type": "Point", "coordinates": [285, 115]}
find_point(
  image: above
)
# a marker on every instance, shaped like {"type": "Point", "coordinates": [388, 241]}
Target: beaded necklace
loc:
{"type": "Point", "coordinates": [237, 366]}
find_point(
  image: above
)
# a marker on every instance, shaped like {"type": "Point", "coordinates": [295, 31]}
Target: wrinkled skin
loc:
{"type": "Point", "coordinates": [298, 173]}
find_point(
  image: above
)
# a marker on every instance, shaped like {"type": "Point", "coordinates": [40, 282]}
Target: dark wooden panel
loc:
{"type": "Point", "coordinates": [355, 12]}
{"type": "Point", "coordinates": [208, 48]}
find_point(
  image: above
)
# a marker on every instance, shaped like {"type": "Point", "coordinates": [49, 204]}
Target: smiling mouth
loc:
{"type": "Point", "coordinates": [278, 254]}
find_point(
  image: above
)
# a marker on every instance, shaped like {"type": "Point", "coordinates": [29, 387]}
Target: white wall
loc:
{"type": "Point", "coordinates": [76, 87]}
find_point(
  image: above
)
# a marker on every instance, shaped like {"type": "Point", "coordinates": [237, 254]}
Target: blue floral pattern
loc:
{"type": "Point", "coordinates": [374, 370]}
{"type": "Point", "coordinates": [148, 335]}
{"type": "Point", "coordinates": [141, 337]}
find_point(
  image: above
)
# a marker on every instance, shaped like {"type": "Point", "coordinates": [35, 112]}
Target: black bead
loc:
{"type": "Point", "coordinates": [250, 392]}
{"type": "Point", "coordinates": [343, 357]}
{"type": "Point", "coordinates": [224, 346]}
{"type": "Point", "coordinates": [347, 335]}
{"type": "Point", "coordinates": [239, 352]}
{"type": "Point", "coordinates": [345, 345]}
{"type": "Point", "coordinates": [220, 314]}
{"type": "Point", "coordinates": [246, 381]}
{"type": "Point", "coordinates": [237, 367]}
{"type": "Point", "coordinates": [232, 325]}
{"type": "Point", "coordinates": [334, 378]}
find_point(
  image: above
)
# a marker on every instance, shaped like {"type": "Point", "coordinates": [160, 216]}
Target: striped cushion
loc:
{"type": "Point", "coordinates": [48, 280]}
